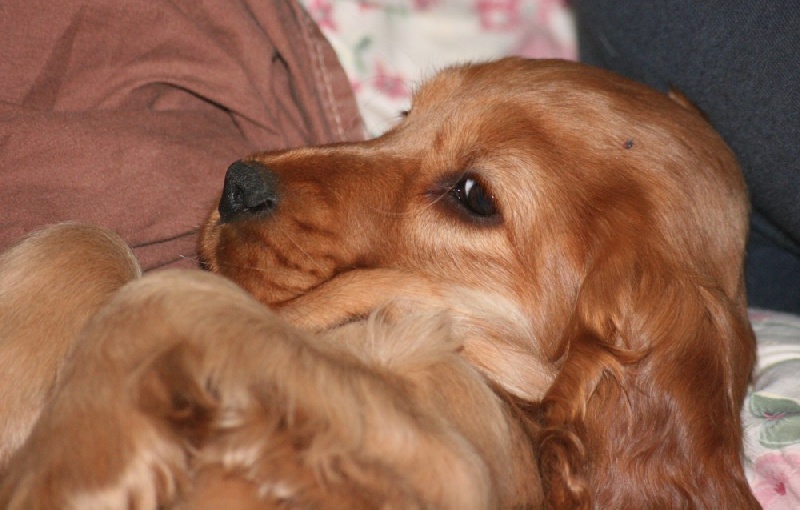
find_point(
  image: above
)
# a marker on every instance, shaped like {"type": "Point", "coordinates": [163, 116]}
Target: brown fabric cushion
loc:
{"type": "Point", "coordinates": [127, 114]}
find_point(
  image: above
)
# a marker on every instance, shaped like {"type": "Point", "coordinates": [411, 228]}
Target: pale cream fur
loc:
{"type": "Point", "coordinates": [44, 302]}
{"type": "Point", "coordinates": [368, 398]}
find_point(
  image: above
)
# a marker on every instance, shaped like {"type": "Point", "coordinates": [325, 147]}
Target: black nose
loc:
{"type": "Point", "coordinates": [250, 189]}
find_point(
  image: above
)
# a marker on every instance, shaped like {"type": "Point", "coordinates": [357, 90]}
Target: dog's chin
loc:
{"type": "Point", "coordinates": [208, 241]}
{"type": "Point", "coordinates": [354, 295]}
{"type": "Point", "coordinates": [324, 307]}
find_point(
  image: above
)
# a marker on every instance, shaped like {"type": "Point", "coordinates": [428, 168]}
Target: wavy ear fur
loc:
{"type": "Point", "coordinates": [644, 412]}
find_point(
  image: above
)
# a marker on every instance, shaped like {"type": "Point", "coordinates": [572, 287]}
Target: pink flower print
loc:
{"type": "Point", "coordinates": [356, 85]}
{"type": "Point", "coordinates": [777, 480]}
{"type": "Point", "coordinates": [417, 5]}
{"type": "Point", "coordinates": [391, 85]}
{"type": "Point", "coordinates": [545, 9]}
{"type": "Point", "coordinates": [366, 5]}
{"type": "Point", "coordinates": [422, 5]}
{"type": "Point", "coordinates": [539, 43]}
{"type": "Point", "coordinates": [498, 15]}
{"type": "Point", "coordinates": [322, 12]}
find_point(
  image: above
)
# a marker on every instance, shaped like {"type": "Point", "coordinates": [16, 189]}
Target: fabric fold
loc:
{"type": "Point", "coordinates": [126, 115]}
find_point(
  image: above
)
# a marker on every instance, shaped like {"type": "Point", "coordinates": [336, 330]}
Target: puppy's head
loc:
{"type": "Point", "coordinates": [507, 189]}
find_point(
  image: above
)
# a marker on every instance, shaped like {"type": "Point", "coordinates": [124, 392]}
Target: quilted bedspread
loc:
{"type": "Point", "coordinates": [771, 413]}
{"type": "Point", "coordinates": [387, 46]}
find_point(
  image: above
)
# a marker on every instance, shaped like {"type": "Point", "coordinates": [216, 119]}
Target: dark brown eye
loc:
{"type": "Point", "coordinates": [473, 197]}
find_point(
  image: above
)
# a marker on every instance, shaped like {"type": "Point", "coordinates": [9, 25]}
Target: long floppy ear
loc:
{"type": "Point", "coordinates": [644, 412]}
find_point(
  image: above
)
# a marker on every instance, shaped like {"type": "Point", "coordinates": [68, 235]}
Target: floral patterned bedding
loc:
{"type": "Point", "coordinates": [771, 414]}
{"type": "Point", "coordinates": [385, 46]}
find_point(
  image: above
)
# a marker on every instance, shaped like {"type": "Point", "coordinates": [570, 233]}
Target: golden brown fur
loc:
{"type": "Point", "coordinates": [589, 317]}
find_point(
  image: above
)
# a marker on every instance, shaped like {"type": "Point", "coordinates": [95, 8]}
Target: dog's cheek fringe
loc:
{"type": "Point", "coordinates": [563, 453]}
{"type": "Point", "coordinates": [560, 449]}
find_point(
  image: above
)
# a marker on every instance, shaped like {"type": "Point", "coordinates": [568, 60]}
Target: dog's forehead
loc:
{"type": "Point", "coordinates": [495, 107]}
{"type": "Point", "coordinates": [459, 86]}
{"type": "Point", "coordinates": [556, 106]}
{"type": "Point", "coordinates": [546, 87]}
{"type": "Point", "coordinates": [488, 104]}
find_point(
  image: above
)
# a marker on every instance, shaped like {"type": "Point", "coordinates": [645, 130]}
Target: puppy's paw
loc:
{"type": "Point", "coordinates": [122, 444]}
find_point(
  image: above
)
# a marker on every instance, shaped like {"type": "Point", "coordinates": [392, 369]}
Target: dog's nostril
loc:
{"type": "Point", "coordinates": [249, 189]}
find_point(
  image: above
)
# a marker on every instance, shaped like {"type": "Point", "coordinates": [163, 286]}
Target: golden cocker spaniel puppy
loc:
{"type": "Point", "coordinates": [527, 294]}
